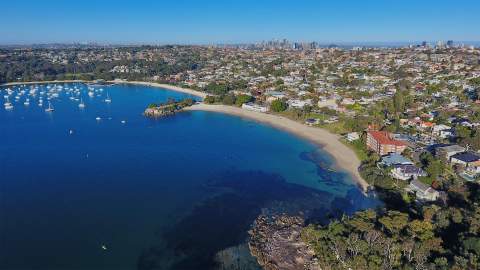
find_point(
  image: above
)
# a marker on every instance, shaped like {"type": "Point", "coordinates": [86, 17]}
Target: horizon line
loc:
{"type": "Point", "coordinates": [100, 43]}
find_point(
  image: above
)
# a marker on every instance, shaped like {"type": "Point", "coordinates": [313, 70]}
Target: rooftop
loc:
{"type": "Point", "coordinates": [384, 137]}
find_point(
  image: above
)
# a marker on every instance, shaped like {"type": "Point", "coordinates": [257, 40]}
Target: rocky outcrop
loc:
{"type": "Point", "coordinates": [276, 243]}
{"type": "Point", "coordinates": [169, 108]}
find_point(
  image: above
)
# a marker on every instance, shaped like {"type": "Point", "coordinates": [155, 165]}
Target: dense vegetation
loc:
{"type": "Point", "coordinates": [405, 234]}
{"type": "Point", "coordinates": [22, 66]}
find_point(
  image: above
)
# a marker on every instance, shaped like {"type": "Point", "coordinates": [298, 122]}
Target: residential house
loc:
{"type": "Point", "coordinates": [406, 172]}
{"type": "Point", "coordinates": [352, 136]}
{"type": "Point", "coordinates": [423, 191]}
{"type": "Point", "coordinates": [446, 152]}
{"type": "Point", "coordinates": [296, 103]}
{"type": "Point", "coordinates": [254, 107]}
{"type": "Point", "coordinates": [395, 159]}
{"type": "Point", "coordinates": [442, 131]}
{"type": "Point", "coordinates": [466, 159]}
{"type": "Point", "coordinates": [312, 121]}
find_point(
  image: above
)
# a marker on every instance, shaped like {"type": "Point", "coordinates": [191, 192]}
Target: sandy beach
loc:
{"type": "Point", "coordinates": [345, 157]}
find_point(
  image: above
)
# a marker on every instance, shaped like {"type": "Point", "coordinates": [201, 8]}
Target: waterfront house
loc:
{"type": "Point", "coordinates": [296, 103]}
{"type": "Point", "coordinates": [254, 107]}
{"type": "Point", "coordinates": [406, 172]}
{"type": "Point", "coordinates": [352, 136]}
{"type": "Point", "coordinates": [383, 143]}
{"type": "Point", "coordinates": [395, 159]}
{"type": "Point", "coordinates": [312, 121]}
{"type": "Point", "coordinates": [423, 191]}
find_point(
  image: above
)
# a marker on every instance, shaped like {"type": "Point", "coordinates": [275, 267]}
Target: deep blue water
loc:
{"type": "Point", "coordinates": [157, 194]}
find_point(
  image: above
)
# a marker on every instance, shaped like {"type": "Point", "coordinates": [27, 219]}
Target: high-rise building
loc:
{"type": "Point", "coordinates": [450, 43]}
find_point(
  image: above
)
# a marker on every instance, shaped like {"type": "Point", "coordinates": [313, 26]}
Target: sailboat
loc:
{"type": "Point", "coordinates": [8, 105]}
{"type": "Point", "coordinates": [81, 105]}
{"type": "Point", "coordinates": [27, 102]}
{"type": "Point", "coordinates": [50, 108]}
{"type": "Point", "coordinates": [108, 99]}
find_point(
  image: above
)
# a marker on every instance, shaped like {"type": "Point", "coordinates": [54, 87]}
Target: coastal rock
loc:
{"type": "Point", "coordinates": [169, 108]}
{"type": "Point", "coordinates": [275, 242]}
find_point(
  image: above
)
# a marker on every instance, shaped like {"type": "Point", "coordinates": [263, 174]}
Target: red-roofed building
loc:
{"type": "Point", "coordinates": [382, 143]}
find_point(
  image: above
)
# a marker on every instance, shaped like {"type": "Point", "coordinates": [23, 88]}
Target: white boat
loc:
{"type": "Point", "coordinates": [98, 118]}
{"type": "Point", "coordinates": [8, 105]}
{"type": "Point", "coordinates": [91, 94]}
{"type": "Point", "coordinates": [27, 102]}
{"type": "Point", "coordinates": [108, 99]}
{"type": "Point", "coordinates": [81, 105]}
{"type": "Point", "coordinates": [50, 108]}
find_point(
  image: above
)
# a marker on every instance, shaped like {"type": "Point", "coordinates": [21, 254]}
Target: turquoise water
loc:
{"type": "Point", "coordinates": [127, 192]}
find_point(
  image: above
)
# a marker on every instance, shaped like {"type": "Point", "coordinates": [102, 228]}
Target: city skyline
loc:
{"type": "Point", "coordinates": [216, 22]}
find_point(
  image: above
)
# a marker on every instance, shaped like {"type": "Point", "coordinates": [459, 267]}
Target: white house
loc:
{"type": "Point", "coordinates": [442, 131]}
{"type": "Point", "coordinates": [296, 103]}
{"type": "Point", "coordinates": [254, 107]}
{"type": "Point", "coordinates": [423, 192]}
{"type": "Point", "coordinates": [326, 102]}
{"type": "Point", "coordinates": [352, 136]}
{"type": "Point", "coordinates": [406, 172]}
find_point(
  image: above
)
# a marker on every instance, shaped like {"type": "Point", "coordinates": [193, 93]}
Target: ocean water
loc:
{"type": "Point", "coordinates": [126, 192]}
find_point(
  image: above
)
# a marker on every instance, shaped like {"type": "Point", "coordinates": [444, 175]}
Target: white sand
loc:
{"type": "Point", "coordinates": [169, 87]}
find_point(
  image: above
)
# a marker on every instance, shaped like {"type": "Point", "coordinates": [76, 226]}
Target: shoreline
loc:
{"type": "Point", "coordinates": [165, 86]}
{"type": "Point", "coordinates": [45, 82]}
{"type": "Point", "coordinates": [151, 84]}
{"type": "Point", "coordinates": [345, 158]}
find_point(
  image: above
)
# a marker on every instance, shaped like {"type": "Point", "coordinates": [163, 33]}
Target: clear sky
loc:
{"type": "Point", "coordinates": [234, 21]}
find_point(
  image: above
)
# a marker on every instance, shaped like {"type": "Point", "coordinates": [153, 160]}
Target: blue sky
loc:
{"type": "Point", "coordinates": [233, 21]}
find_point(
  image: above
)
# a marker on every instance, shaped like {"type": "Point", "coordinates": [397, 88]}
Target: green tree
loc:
{"type": "Point", "coordinates": [241, 99]}
{"type": "Point", "coordinates": [394, 221]}
{"type": "Point", "coordinates": [399, 102]}
{"type": "Point", "coordinates": [228, 99]}
{"type": "Point", "coordinates": [209, 99]}
{"type": "Point", "coordinates": [278, 105]}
